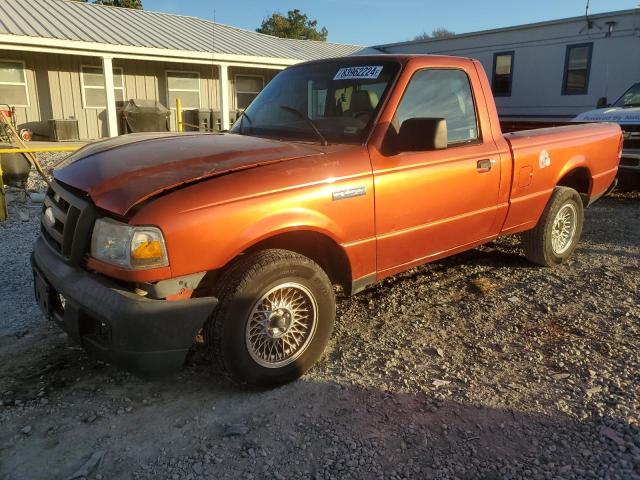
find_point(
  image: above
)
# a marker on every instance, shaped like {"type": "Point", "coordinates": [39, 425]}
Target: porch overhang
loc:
{"type": "Point", "coordinates": [108, 52]}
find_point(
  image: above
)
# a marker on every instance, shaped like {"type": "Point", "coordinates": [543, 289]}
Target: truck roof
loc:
{"type": "Point", "coordinates": [401, 58]}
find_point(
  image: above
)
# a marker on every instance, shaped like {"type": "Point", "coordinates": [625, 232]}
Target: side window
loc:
{"type": "Point", "coordinates": [441, 93]}
{"type": "Point", "coordinates": [183, 85]}
{"type": "Point", "coordinates": [577, 65]}
{"type": "Point", "coordinates": [13, 83]}
{"type": "Point", "coordinates": [502, 74]}
{"type": "Point", "coordinates": [317, 100]}
{"type": "Point", "coordinates": [92, 80]}
{"type": "Point", "coordinates": [247, 88]}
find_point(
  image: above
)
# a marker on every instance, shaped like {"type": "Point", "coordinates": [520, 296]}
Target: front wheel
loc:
{"type": "Point", "coordinates": [556, 235]}
{"type": "Point", "coordinates": [274, 319]}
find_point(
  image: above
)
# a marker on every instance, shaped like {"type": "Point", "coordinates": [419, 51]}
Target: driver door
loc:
{"type": "Point", "coordinates": [429, 203]}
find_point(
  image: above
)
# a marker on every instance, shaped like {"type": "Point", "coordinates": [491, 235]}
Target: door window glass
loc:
{"type": "Point", "coordinates": [441, 93]}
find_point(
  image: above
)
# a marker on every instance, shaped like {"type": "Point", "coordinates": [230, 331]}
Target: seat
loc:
{"type": "Point", "coordinates": [363, 103]}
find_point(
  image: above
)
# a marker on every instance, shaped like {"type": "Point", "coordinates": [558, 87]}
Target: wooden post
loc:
{"type": "Point", "coordinates": [110, 97]}
{"type": "Point", "coordinates": [224, 96]}
{"type": "Point", "coordinates": [179, 114]}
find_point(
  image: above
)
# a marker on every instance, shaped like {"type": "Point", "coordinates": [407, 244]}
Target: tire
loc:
{"type": "Point", "coordinates": [545, 246]}
{"type": "Point", "coordinates": [253, 342]}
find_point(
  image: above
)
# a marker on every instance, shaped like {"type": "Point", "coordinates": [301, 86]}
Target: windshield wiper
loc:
{"type": "Point", "coordinates": [631, 105]}
{"type": "Point", "coordinates": [323, 141]}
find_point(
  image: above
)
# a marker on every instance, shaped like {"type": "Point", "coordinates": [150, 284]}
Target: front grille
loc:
{"type": "Point", "coordinates": [73, 217]}
{"type": "Point", "coordinates": [631, 137]}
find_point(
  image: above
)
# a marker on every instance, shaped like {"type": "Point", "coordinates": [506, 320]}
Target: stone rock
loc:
{"type": "Point", "coordinates": [235, 430]}
{"type": "Point", "coordinates": [439, 383]}
{"type": "Point", "coordinates": [612, 435]}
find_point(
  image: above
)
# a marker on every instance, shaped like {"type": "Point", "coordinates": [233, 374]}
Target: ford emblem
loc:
{"type": "Point", "coordinates": [48, 217]}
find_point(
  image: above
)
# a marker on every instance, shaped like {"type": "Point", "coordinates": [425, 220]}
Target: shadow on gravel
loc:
{"type": "Point", "coordinates": [590, 250]}
{"type": "Point", "coordinates": [493, 256]}
{"type": "Point", "coordinates": [195, 426]}
{"type": "Point", "coordinates": [614, 220]}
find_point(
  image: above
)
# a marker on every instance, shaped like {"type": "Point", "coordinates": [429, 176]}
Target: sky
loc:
{"type": "Point", "coordinates": [374, 22]}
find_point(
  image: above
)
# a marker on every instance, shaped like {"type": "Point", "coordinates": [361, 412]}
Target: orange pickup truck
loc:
{"type": "Point", "coordinates": [340, 173]}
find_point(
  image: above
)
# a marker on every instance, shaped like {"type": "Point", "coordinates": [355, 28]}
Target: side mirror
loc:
{"type": "Point", "coordinates": [421, 134]}
{"type": "Point", "coordinates": [602, 103]}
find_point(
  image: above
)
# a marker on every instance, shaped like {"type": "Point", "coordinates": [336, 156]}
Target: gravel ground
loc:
{"type": "Point", "coordinates": [477, 367]}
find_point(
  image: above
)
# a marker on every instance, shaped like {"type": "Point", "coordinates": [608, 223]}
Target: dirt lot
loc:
{"type": "Point", "coordinates": [478, 367]}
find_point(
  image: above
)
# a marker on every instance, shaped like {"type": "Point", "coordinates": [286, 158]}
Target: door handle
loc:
{"type": "Point", "coordinates": [485, 165]}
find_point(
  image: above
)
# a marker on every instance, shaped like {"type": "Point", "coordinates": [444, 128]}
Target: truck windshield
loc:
{"type": "Point", "coordinates": [631, 97]}
{"type": "Point", "coordinates": [333, 101]}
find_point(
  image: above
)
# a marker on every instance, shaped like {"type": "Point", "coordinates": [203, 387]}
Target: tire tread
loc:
{"type": "Point", "coordinates": [534, 242]}
{"type": "Point", "coordinates": [235, 278]}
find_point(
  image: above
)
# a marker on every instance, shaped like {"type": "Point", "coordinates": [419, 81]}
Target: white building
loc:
{"type": "Point", "coordinates": [550, 70]}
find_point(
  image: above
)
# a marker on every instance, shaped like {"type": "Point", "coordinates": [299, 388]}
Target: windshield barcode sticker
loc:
{"type": "Point", "coordinates": [349, 73]}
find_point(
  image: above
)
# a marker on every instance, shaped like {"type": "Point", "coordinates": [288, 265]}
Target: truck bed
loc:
{"type": "Point", "coordinates": [543, 158]}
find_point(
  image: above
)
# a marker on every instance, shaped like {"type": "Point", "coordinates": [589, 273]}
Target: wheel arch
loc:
{"type": "Point", "coordinates": [579, 178]}
{"type": "Point", "coordinates": [318, 246]}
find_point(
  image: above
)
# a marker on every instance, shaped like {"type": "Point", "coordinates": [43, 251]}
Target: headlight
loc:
{"type": "Point", "coordinates": [125, 246]}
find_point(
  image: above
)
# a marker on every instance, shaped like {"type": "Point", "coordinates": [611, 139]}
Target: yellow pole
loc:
{"type": "Point", "coordinates": [179, 114]}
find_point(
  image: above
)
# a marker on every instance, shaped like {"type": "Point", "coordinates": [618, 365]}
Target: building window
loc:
{"type": "Point", "coordinates": [13, 83]}
{"type": "Point", "coordinates": [502, 74]}
{"type": "Point", "coordinates": [93, 94]}
{"type": "Point", "coordinates": [247, 88]}
{"type": "Point", "coordinates": [186, 86]}
{"type": "Point", "coordinates": [577, 65]}
{"type": "Point", "coordinates": [441, 93]}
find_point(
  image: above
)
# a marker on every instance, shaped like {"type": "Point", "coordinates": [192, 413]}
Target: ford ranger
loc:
{"type": "Point", "coordinates": [340, 173]}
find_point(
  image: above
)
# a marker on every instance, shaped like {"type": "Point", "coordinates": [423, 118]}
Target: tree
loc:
{"type": "Point", "coordinates": [442, 33]}
{"type": "Point", "coordinates": [436, 33]}
{"type": "Point", "coordinates": [295, 25]}
{"type": "Point", "coordinates": [135, 4]}
{"type": "Point", "coordinates": [422, 36]}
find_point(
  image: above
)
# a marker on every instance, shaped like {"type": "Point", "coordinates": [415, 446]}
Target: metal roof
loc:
{"type": "Point", "coordinates": [99, 24]}
{"type": "Point", "coordinates": [581, 18]}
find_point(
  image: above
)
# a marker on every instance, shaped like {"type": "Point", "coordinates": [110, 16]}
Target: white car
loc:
{"type": "Point", "coordinates": [626, 112]}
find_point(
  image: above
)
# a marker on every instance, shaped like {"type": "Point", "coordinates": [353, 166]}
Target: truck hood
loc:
{"type": "Point", "coordinates": [611, 114]}
{"type": "Point", "coordinates": [121, 172]}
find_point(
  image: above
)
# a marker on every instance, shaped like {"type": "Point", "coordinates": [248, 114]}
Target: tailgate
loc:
{"type": "Point", "coordinates": [588, 154]}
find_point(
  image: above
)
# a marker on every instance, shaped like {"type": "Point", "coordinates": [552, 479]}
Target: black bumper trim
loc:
{"type": "Point", "coordinates": [147, 337]}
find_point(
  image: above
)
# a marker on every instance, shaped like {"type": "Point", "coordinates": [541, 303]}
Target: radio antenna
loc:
{"type": "Point", "coordinates": [590, 23]}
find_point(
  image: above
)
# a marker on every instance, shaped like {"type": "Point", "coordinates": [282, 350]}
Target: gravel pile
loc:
{"type": "Point", "coordinates": [48, 161]}
{"type": "Point", "coordinates": [480, 366]}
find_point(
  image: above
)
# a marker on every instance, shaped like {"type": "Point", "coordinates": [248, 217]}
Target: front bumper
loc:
{"type": "Point", "coordinates": [147, 337]}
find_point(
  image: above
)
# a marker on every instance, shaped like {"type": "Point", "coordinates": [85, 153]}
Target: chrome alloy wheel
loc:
{"type": "Point", "coordinates": [564, 228]}
{"type": "Point", "coordinates": [281, 325]}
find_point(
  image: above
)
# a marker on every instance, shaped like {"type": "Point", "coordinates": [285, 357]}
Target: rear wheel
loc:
{"type": "Point", "coordinates": [556, 235]}
{"type": "Point", "coordinates": [275, 317]}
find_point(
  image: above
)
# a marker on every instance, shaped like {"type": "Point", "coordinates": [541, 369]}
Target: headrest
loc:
{"type": "Point", "coordinates": [363, 101]}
